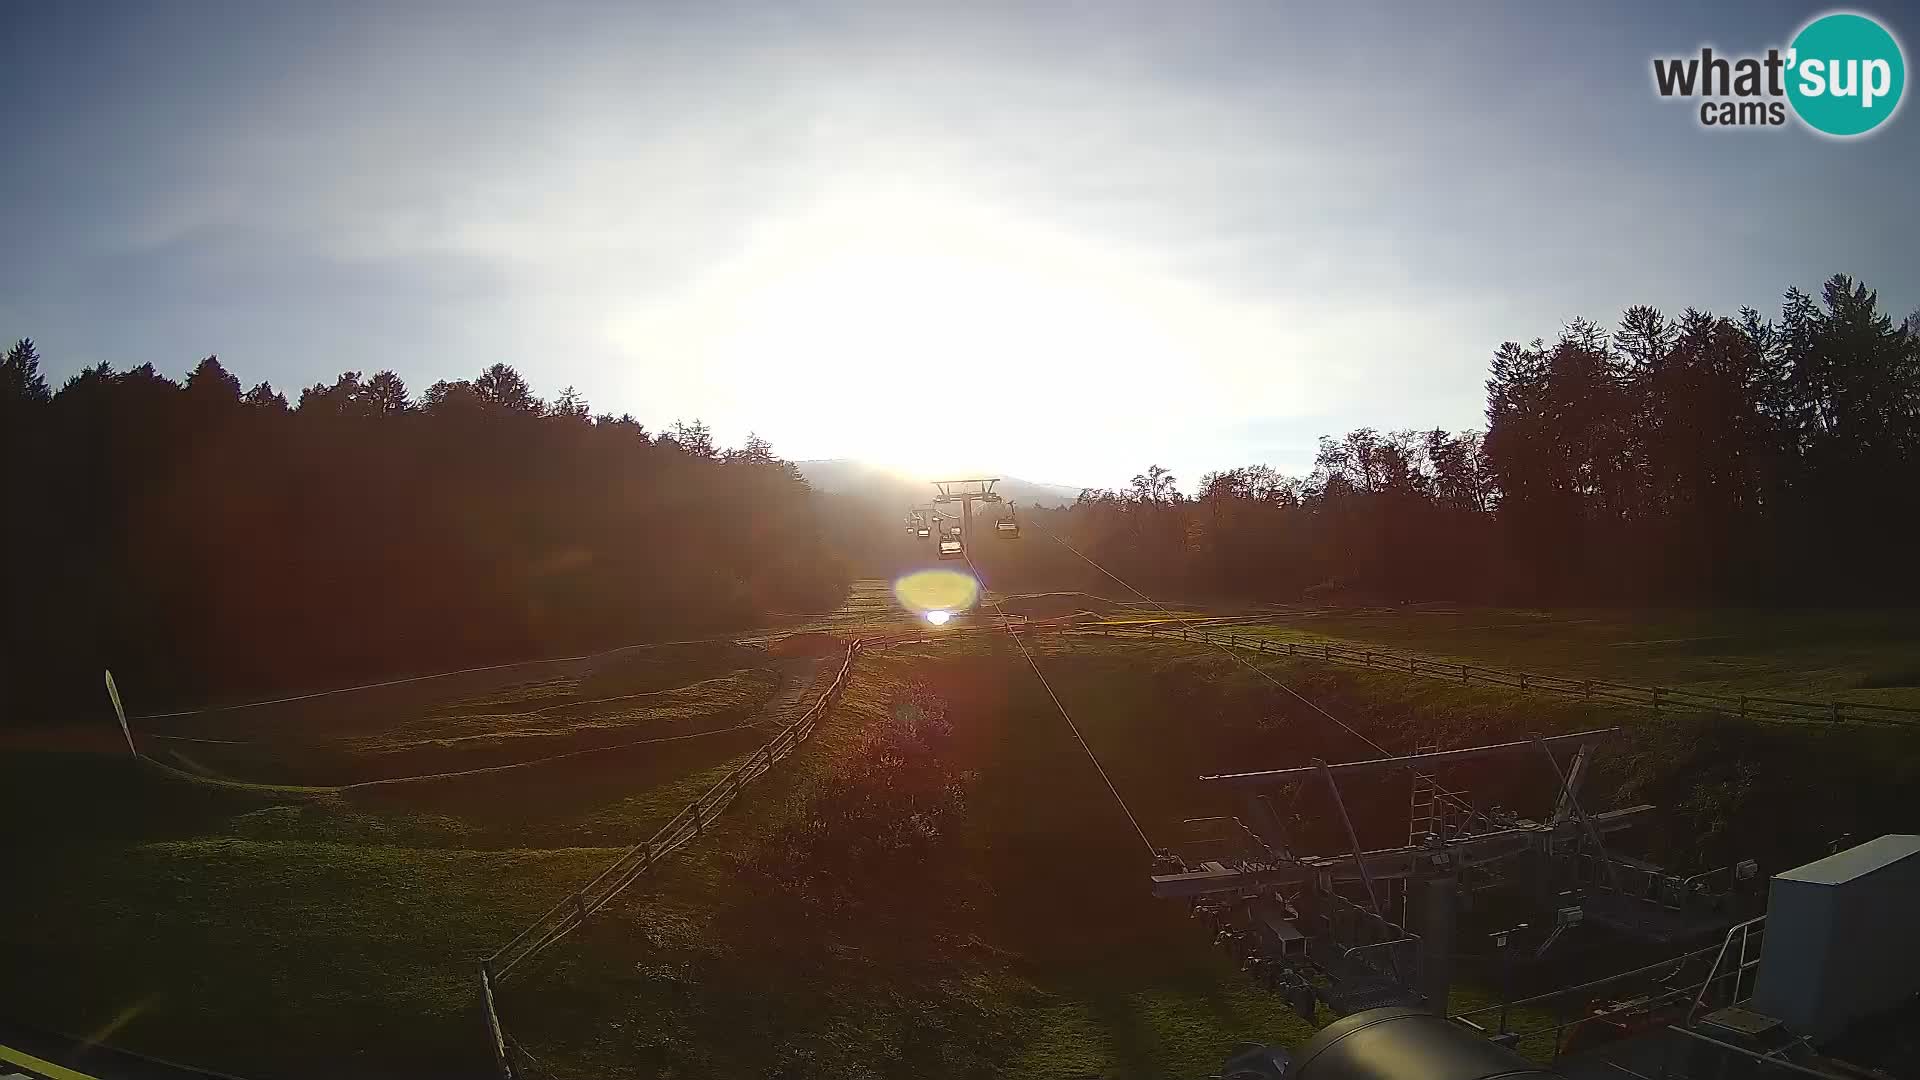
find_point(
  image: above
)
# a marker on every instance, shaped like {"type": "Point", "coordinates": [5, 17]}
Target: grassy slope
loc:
{"type": "Point", "coordinates": [1858, 656]}
{"type": "Point", "coordinates": [475, 721]}
{"type": "Point", "coordinates": [1159, 718]}
{"type": "Point", "coordinates": [1732, 789]}
{"type": "Point", "coordinates": [1127, 985]}
{"type": "Point", "coordinates": [278, 934]}
{"type": "Point", "coordinates": [872, 608]}
{"type": "Point", "coordinates": [1029, 949]}
{"type": "Point", "coordinates": [310, 937]}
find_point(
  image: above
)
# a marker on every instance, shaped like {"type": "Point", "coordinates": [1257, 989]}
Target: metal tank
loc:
{"type": "Point", "coordinates": [1403, 1043]}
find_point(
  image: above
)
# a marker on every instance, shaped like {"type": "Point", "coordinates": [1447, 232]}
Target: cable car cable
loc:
{"type": "Point", "coordinates": [1229, 651]}
{"type": "Point", "coordinates": [1071, 726]}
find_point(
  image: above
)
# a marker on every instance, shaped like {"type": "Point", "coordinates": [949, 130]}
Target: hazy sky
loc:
{"type": "Point", "coordinates": [1062, 240]}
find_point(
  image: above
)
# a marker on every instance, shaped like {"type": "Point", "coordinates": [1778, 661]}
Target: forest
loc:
{"type": "Point", "coordinates": [207, 542]}
{"type": "Point", "coordinates": [1701, 460]}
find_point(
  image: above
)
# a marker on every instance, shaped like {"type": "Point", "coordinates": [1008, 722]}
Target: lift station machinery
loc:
{"type": "Point", "coordinates": [1366, 928]}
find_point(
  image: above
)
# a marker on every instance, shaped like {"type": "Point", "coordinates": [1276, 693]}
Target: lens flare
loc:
{"type": "Point", "coordinates": [939, 618]}
{"type": "Point", "coordinates": [926, 591]}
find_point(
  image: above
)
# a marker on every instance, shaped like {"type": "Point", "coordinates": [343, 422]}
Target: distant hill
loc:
{"type": "Point", "coordinates": [843, 476]}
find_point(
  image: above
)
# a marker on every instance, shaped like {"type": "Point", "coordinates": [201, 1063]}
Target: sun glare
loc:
{"type": "Point", "coordinates": [901, 328]}
{"type": "Point", "coordinates": [928, 593]}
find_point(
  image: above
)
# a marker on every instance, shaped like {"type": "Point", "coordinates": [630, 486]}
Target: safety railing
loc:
{"type": "Point", "coordinates": [690, 822]}
{"type": "Point", "coordinates": [1726, 987]}
{"type": "Point", "coordinates": [1705, 1056]}
{"type": "Point", "coordinates": [1574, 1018]}
{"type": "Point", "coordinates": [574, 910]}
{"type": "Point", "coordinates": [1657, 698]}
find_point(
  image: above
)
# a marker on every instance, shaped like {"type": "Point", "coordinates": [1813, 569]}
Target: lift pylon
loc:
{"type": "Point", "coordinates": [1326, 923]}
{"type": "Point", "coordinates": [966, 493]}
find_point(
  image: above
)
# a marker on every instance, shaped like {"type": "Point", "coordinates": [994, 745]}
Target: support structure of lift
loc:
{"type": "Point", "coordinates": [966, 493]}
{"type": "Point", "coordinates": [1325, 927]}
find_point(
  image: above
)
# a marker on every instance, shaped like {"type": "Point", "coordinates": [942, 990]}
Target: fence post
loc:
{"type": "Point", "coordinates": [1523, 680]}
{"type": "Point", "coordinates": [1743, 706]}
{"type": "Point", "coordinates": [1656, 699]}
{"type": "Point", "coordinates": [1329, 652]}
{"type": "Point", "coordinates": [1410, 670]}
{"type": "Point", "coordinates": [1290, 651]}
{"type": "Point", "coordinates": [1836, 712]}
{"type": "Point", "coordinates": [496, 1037]}
{"type": "Point", "coordinates": [580, 907]}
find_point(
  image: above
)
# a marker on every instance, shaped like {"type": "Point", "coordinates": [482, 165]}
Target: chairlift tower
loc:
{"type": "Point", "coordinates": [1324, 927]}
{"type": "Point", "coordinates": [966, 493]}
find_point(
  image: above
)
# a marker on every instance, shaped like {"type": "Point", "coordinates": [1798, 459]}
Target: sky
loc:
{"type": "Point", "coordinates": [1059, 241]}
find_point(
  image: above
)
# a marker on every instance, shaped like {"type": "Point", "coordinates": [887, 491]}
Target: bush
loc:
{"type": "Point", "coordinates": [874, 827]}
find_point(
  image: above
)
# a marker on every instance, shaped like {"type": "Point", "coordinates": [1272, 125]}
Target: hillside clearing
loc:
{"type": "Point", "coordinates": [1864, 656]}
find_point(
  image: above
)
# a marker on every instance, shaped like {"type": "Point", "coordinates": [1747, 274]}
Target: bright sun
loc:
{"type": "Point", "coordinates": [909, 330]}
{"type": "Point", "coordinates": [929, 314]}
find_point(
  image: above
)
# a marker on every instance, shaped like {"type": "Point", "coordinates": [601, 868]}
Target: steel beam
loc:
{"type": "Point", "coordinates": [1570, 789]}
{"type": "Point", "coordinates": [1353, 839]}
{"type": "Point", "coordinates": [1411, 761]}
{"type": "Point", "coordinates": [1388, 863]}
{"type": "Point", "coordinates": [1439, 915]}
{"type": "Point", "coordinates": [1567, 792]}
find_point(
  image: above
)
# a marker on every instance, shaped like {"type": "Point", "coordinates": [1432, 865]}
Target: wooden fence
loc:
{"type": "Point", "coordinates": [692, 821]}
{"type": "Point", "coordinates": [1657, 698]}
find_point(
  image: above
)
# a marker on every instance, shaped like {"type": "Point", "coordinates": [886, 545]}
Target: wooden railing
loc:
{"type": "Point", "coordinates": [1657, 698]}
{"type": "Point", "coordinates": [574, 910]}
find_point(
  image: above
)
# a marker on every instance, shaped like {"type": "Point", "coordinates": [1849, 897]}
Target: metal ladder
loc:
{"type": "Point", "coordinates": [1424, 814]}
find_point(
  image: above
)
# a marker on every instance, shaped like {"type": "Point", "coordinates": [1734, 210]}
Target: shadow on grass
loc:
{"type": "Point", "coordinates": [526, 798]}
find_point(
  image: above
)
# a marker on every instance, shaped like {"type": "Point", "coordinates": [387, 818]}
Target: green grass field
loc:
{"type": "Point", "coordinates": [256, 926]}
{"type": "Point", "coordinates": [1027, 946]}
{"type": "Point", "coordinates": [980, 909]}
{"type": "Point", "coordinates": [1869, 657]}
{"type": "Point", "coordinates": [1069, 967]}
{"type": "Point", "coordinates": [872, 608]}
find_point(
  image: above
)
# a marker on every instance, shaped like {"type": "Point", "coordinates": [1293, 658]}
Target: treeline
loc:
{"type": "Point", "coordinates": [206, 543]}
{"type": "Point", "coordinates": [1690, 460]}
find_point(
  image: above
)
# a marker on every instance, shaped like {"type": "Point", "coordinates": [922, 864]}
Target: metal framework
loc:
{"type": "Point", "coordinates": [966, 493]}
{"type": "Point", "coordinates": [1324, 926]}
{"type": "Point", "coordinates": [951, 535]}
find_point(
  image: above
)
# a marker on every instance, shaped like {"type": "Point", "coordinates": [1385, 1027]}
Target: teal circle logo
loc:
{"type": "Point", "coordinates": [1845, 74]}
